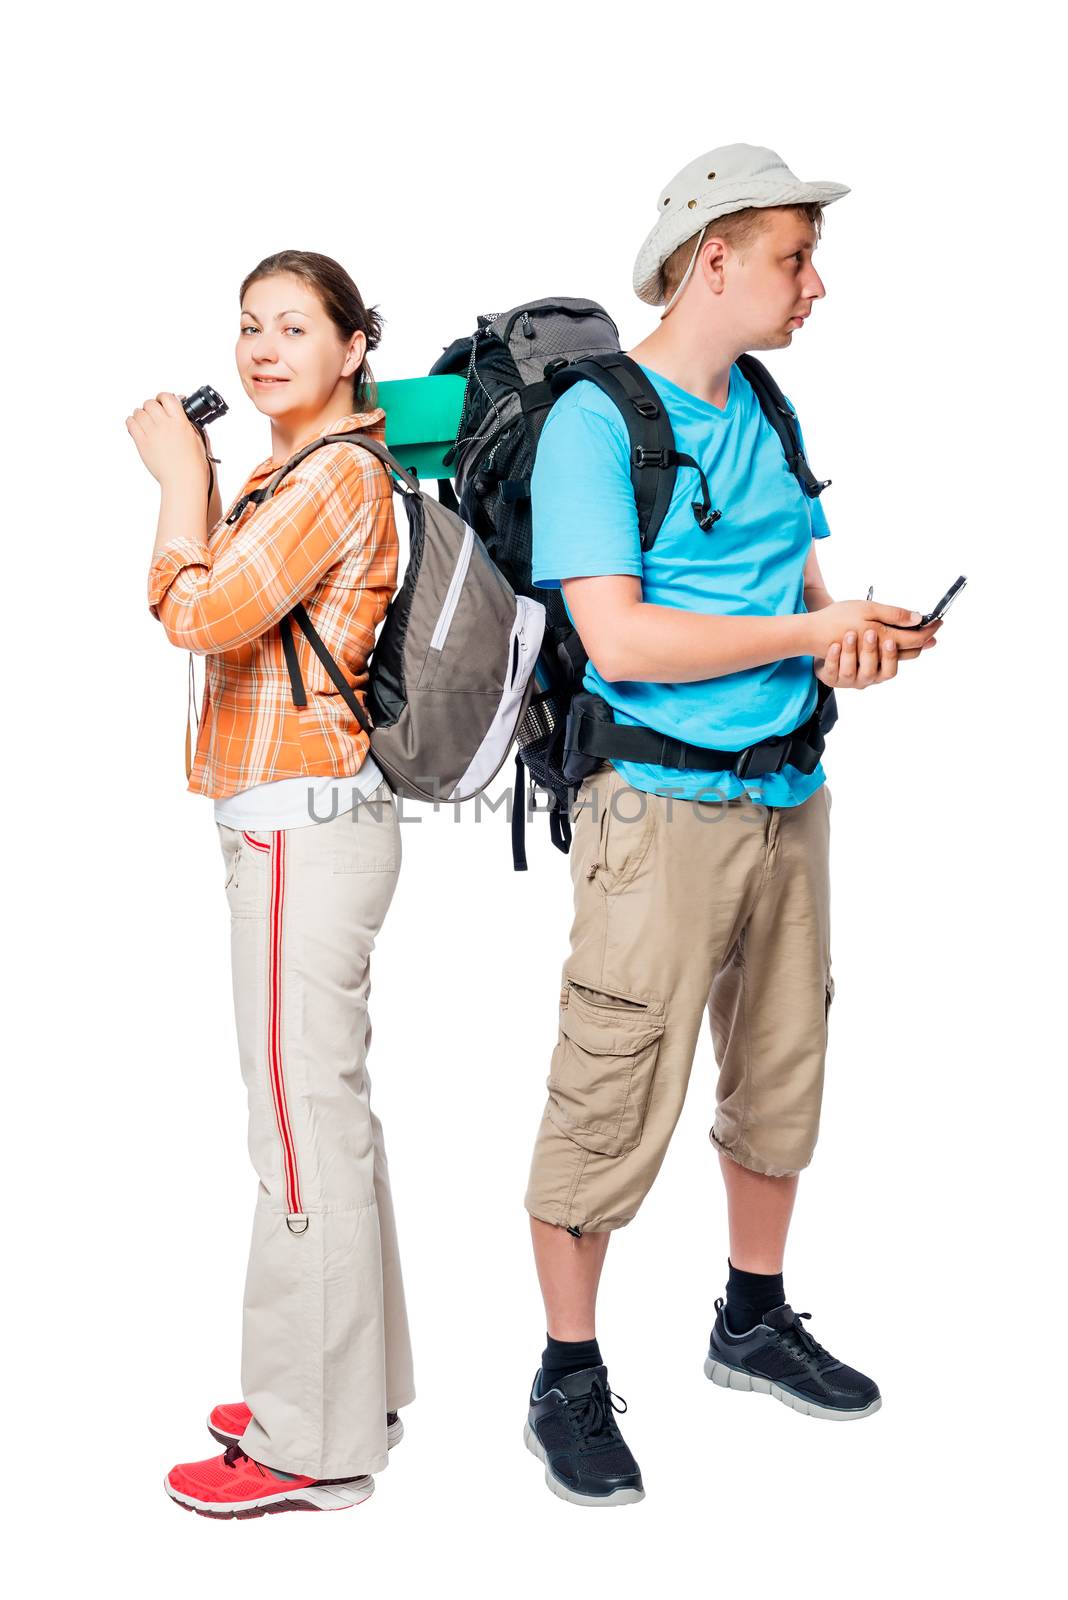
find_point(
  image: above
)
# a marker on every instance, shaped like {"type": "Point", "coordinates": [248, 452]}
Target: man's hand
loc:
{"type": "Point", "coordinates": [167, 442]}
{"type": "Point", "coordinates": [831, 623]}
{"type": "Point", "coordinates": [844, 667]}
{"type": "Point", "coordinates": [834, 630]}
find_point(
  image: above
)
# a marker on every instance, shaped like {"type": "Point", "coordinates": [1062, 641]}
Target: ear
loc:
{"type": "Point", "coordinates": [711, 263]}
{"type": "Point", "coordinates": [354, 355]}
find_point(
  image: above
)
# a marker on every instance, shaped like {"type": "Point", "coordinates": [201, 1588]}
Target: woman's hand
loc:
{"type": "Point", "coordinates": [844, 667]}
{"type": "Point", "coordinates": [167, 442]}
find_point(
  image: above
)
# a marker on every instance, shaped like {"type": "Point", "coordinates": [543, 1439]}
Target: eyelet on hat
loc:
{"type": "Point", "coordinates": [667, 202]}
{"type": "Point", "coordinates": [690, 204]}
{"type": "Point", "coordinates": [711, 175]}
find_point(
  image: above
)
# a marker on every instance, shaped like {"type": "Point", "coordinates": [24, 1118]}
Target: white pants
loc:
{"type": "Point", "coordinates": [325, 1351]}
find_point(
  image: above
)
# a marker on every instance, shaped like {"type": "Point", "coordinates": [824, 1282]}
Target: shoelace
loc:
{"type": "Point", "coordinates": [234, 1453]}
{"type": "Point", "coordinates": [796, 1335]}
{"type": "Point", "coordinates": [592, 1416]}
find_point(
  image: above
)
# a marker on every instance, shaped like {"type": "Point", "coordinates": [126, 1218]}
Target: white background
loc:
{"type": "Point", "coordinates": [457, 162]}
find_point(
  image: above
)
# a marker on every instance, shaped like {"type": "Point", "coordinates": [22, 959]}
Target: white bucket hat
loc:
{"type": "Point", "coordinates": [731, 178]}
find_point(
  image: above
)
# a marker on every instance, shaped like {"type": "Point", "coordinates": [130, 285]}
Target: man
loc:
{"type": "Point", "coordinates": [695, 889]}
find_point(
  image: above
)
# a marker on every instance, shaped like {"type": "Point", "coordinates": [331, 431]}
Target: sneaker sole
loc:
{"type": "Point", "coordinates": [618, 1497]}
{"type": "Point", "coordinates": [317, 1497]}
{"type": "Point", "coordinates": [394, 1434]}
{"type": "Point", "coordinates": [726, 1377]}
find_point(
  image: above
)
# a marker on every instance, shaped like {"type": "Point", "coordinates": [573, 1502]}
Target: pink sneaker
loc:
{"type": "Point", "coordinates": [231, 1485]}
{"type": "Point", "coordinates": [228, 1423]}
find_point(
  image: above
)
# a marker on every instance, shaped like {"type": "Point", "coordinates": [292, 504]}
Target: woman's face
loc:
{"type": "Point", "coordinates": [291, 358]}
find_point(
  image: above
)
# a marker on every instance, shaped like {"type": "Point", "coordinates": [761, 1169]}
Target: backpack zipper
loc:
{"type": "Point", "coordinates": [452, 594]}
{"type": "Point", "coordinates": [593, 312]}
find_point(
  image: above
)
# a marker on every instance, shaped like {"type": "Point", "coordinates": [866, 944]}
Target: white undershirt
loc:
{"type": "Point", "coordinates": [297, 802]}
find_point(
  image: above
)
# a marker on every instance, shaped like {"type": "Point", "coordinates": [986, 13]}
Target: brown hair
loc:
{"type": "Point", "coordinates": [341, 301]}
{"type": "Point", "coordinates": [738, 229]}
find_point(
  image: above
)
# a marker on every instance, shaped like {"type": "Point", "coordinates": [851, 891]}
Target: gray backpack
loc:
{"type": "Point", "coordinates": [452, 671]}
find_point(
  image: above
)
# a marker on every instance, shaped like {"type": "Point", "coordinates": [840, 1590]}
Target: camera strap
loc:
{"type": "Point", "coordinates": [191, 712]}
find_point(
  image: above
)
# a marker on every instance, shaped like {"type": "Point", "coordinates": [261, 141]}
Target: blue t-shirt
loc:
{"type": "Point", "coordinates": [751, 563]}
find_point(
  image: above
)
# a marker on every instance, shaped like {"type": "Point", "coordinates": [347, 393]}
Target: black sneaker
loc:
{"type": "Point", "coordinates": [781, 1358]}
{"type": "Point", "coordinates": [572, 1429]}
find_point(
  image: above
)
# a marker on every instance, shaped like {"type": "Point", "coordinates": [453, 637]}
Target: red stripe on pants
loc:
{"type": "Point", "coordinates": [274, 1022]}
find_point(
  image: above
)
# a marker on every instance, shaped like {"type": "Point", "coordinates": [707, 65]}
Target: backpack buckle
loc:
{"type": "Point", "coordinates": [239, 510]}
{"type": "Point", "coordinates": [764, 758]}
{"type": "Point", "coordinates": [650, 458]}
{"type": "Point", "coordinates": [646, 408]}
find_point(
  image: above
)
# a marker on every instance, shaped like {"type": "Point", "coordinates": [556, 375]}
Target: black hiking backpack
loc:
{"type": "Point", "coordinates": [516, 366]}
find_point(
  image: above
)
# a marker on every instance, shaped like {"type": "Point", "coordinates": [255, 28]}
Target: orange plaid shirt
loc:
{"type": "Point", "coordinates": [327, 538]}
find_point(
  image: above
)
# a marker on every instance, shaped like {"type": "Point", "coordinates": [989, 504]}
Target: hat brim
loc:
{"type": "Point", "coordinates": [672, 230]}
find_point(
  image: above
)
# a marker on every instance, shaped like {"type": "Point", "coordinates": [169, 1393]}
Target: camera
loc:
{"type": "Point", "coordinates": [205, 406]}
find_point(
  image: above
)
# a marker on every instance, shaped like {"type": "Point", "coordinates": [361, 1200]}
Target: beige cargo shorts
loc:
{"type": "Point", "coordinates": [683, 907]}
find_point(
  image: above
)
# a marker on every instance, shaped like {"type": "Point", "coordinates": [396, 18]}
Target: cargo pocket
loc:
{"type": "Point", "coordinates": [603, 1068]}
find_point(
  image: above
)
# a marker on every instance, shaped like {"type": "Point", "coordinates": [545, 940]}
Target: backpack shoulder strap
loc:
{"type": "Point", "coordinates": [652, 443]}
{"type": "Point", "coordinates": [405, 481]}
{"type": "Point", "coordinates": [375, 447]}
{"type": "Point", "coordinates": [407, 485]}
{"type": "Point", "coordinates": [783, 420]}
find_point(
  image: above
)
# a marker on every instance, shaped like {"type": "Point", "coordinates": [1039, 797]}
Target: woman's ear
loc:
{"type": "Point", "coordinates": [354, 355]}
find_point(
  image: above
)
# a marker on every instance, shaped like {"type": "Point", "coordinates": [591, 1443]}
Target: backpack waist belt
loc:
{"type": "Point", "coordinates": [592, 736]}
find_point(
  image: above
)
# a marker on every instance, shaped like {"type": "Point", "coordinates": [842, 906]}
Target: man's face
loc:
{"type": "Point", "coordinates": [773, 284]}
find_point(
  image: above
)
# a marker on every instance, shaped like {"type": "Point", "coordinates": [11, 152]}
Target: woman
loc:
{"type": "Point", "coordinates": [326, 1362]}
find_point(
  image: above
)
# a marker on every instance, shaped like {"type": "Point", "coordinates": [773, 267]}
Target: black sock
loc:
{"type": "Point", "coordinates": [562, 1356]}
{"type": "Point", "coordinates": [749, 1295]}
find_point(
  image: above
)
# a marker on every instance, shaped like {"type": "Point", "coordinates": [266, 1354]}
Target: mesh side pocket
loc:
{"type": "Point", "coordinates": [537, 737]}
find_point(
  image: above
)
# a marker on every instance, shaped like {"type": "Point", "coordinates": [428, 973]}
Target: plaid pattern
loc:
{"type": "Point", "coordinates": [327, 538]}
